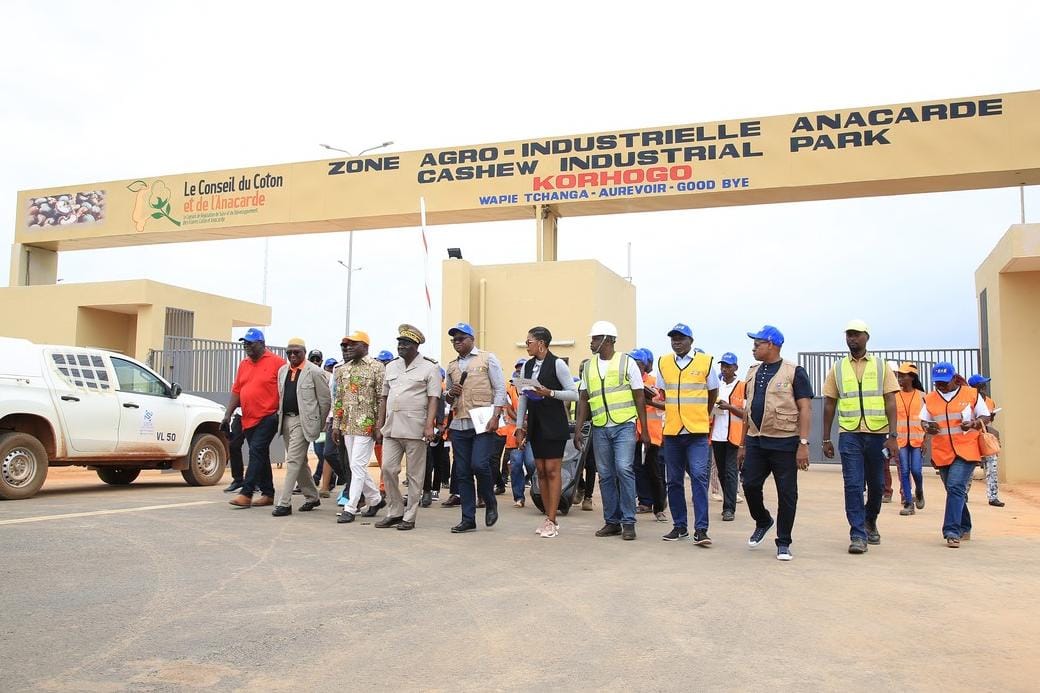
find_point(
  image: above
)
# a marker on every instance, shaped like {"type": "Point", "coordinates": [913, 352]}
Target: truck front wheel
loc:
{"type": "Point", "coordinates": [118, 476]}
{"type": "Point", "coordinates": [206, 460]}
{"type": "Point", "coordinates": [23, 465]}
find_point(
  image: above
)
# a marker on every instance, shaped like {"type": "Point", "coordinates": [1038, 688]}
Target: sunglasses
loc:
{"type": "Point", "coordinates": [297, 352]}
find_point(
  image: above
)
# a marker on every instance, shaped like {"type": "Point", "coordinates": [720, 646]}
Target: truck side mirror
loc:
{"type": "Point", "coordinates": [175, 390]}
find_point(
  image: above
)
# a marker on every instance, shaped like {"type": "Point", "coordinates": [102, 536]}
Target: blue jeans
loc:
{"type": "Point", "coordinates": [957, 520]}
{"type": "Point", "coordinates": [258, 473]}
{"type": "Point", "coordinates": [862, 464]}
{"type": "Point", "coordinates": [687, 453]}
{"type": "Point", "coordinates": [472, 453]}
{"type": "Point", "coordinates": [615, 451]}
{"type": "Point", "coordinates": [909, 465]}
{"type": "Point", "coordinates": [521, 465]}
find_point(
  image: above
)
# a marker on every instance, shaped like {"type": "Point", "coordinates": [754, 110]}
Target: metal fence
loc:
{"type": "Point", "coordinates": [204, 367]}
{"type": "Point", "coordinates": [818, 363]}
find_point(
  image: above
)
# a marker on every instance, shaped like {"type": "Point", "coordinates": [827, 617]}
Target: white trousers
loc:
{"type": "Point", "coordinates": [359, 449]}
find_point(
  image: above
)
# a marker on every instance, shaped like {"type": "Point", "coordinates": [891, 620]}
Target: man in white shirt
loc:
{"type": "Point", "coordinates": [727, 429]}
{"type": "Point", "coordinates": [610, 393]}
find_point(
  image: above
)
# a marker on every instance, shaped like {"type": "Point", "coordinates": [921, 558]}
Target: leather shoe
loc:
{"type": "Point", "coordinates": [389, 522]}
{"type": "Point", "coordinates": [405, 525]}
{"type": "Point", "coordinates": [344, 518]}
{"type": "Point", "coordinates": [426, 501]}
{"type": "Point", "coordinates": [309, 505]}
{"type": "Point", "coordinates": [463, 527]}
{"type": "Point", "coordinates": [241, 501]}
{"type": "Point", "coordinates": [372, 510]}
{"type": "Point", "coordinates": [282, 511]}
{"type": "Point", "coordinates": [491, 516]}
{"type": "Point", "coordinates": [264, 500]}
{"type": "Point", "coordinates": [452, 501]}
{"type": "Point", "coordinates": [233, 486]}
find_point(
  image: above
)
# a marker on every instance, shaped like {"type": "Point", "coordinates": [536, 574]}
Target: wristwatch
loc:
{"type": "Point", "coordinates": [803, 441]}
{"type": "Point", "coordinates": [893, 436]}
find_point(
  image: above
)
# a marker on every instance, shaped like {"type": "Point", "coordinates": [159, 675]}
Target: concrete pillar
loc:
{"type": "Point", "coordinates": [545, 228]}
{"type": "Point", "coordinates": [456, 300]}
{"type": "Point", "coordinates": [32, 266]}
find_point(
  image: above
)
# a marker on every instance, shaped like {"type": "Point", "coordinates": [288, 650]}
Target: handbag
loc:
{"type": "Point", "coordinates": [989, 444]}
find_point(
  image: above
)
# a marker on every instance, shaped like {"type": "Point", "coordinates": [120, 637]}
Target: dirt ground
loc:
{"type": "Point", "coordinates": [162, 587]}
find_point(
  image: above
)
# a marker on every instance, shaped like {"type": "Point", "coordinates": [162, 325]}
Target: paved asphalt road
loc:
{"type": "Point", "coordinates": [197, 595]}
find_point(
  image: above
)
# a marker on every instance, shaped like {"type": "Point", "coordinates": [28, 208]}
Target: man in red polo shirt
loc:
{"type": "Point", "coordinates": [256, 391]}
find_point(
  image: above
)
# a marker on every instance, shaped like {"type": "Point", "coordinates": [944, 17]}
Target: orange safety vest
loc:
{"type": "Point", "coordinates": [951, 442]}
{"type": "Point", "coordinates": [908, 419]}
{"type": "Point", "coordinates": [736, 425]}
{"type": "Point", "coordinates": [508, 427]}
{"type": "Point", "coordinates": [654, 417]}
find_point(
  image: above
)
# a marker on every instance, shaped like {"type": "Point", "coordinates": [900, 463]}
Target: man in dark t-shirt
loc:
{"type": "Point", "coordinates": [776, 436]}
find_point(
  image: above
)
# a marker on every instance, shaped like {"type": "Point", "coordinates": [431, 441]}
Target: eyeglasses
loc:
{"type": "Point", "coordinates": [460, 338]}
{"type": "Point", "coordinates": [529, 342]}
{"type": "Point", "coordinates": [296, 352]}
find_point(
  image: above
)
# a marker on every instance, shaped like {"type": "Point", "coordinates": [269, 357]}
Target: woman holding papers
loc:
{"type": "Point", "coordinates": [542, 418]}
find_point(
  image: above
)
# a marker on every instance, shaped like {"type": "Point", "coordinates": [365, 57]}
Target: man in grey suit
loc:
{"type": "Point", "coordinates": [304, 401]}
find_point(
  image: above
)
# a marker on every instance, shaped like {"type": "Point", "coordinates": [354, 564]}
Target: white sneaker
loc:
{"type": "Point", "coordinates": [716, 497]}
{"type": "Point", "coordinates": [542, 527]}
{"type": "Point", "coordinates": [551, 530]}
{"type": "Point", "coordinates": [740, 498]}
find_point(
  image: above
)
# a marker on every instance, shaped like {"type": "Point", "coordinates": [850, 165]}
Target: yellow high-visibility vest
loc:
{"type": "Point", "coordinates": [610, 394]}
{"type": "Point", "coordinates": [685, 394]}
{"type": "Point", "coordinates": [861, 400]}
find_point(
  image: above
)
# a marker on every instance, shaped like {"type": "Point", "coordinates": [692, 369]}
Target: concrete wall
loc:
{"type": "Point", "coordinates": [128, 316]}
{"type": "Point", "coordinates": [1010, 275]}
{"type": "Point", "coordinates": [566, 297]}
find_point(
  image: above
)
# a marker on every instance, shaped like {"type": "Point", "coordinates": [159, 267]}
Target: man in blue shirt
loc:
{"type": "Point", "coordinates": [778, 414]}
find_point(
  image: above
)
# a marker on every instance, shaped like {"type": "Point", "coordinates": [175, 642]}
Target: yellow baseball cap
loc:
{"type": "Point", "coordinates": [357, 336]}
{"type": "Point", "coordinates": [907, 367]}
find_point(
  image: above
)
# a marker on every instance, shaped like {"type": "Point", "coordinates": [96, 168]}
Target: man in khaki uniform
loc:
{"type": "Point", "coordinates": [407, 408]}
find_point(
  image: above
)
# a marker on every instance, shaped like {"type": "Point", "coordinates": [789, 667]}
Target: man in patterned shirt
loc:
{"type": "Point", "coordinates": [359, 384]}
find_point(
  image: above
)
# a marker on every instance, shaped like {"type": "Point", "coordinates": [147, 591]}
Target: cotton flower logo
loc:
{"type": "Point", "coordinates": [150, 197]}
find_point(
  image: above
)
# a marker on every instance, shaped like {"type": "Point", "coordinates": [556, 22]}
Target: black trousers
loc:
{"type": "Point", "coordinates": [496, 461]}
{"type": "Point", "coordinates": [759, 463]}
{"type": "Point", "coordinates": [238, 437]}
{"type": "Point", "coordinates": [587, 485]}
{"type": "Point", "coordinates": [436, 464]}
{"type": "Point", "coordinates": [649, 476]}
{"type": "Point", "coordinates": [725, 454]}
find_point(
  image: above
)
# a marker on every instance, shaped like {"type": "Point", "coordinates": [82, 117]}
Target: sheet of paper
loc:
{"type": "Point", "coordinates": [522, 384]}
{"type": "Point", "coordinates": [480, 417]}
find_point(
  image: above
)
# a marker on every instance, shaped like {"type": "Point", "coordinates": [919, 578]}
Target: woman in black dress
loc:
{"type": "Point", "coordinates": [546, 427]}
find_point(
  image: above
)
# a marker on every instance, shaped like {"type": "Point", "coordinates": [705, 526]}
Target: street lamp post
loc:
{"type": "Point", "coordinates": [350, 234]}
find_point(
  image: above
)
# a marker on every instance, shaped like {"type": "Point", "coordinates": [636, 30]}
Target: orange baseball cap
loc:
{"type": "Point", "coordinates": [907, 367]}
{"type": "Point", "coordinates": [357, 336]}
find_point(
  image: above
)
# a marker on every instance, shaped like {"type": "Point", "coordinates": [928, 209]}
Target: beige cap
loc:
{"type": "Point", "coordinates": [297, 342]}
{"type": "Point", "coordinates": [857, 325]}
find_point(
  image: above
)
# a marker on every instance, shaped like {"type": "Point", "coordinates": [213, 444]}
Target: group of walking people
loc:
{"type": "Point", "coordinates": [669, 427]}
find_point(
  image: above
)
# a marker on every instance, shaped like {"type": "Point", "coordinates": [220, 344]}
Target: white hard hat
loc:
{"type": "Point", "coordinates": [602, 327]}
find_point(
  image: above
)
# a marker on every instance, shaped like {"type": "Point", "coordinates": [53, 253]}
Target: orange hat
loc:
{"type": "Point", "coordinates": [357, 336]}
{"type": "Point", "coordinates": [907, 367]}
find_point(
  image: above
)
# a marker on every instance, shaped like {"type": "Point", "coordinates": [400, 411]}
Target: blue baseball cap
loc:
{"type": "Point", "coordinates": [252, 335]}
{"type": "Point", "coordinates": [729, 357]}
{"type": "Point", "coordinates": [770, 334]}
{"type": "Point", "coordinates": [943, 372]}
{"type": "Point", "coordinates": [384, 356]}
{"type": "Point", "coordinates": [977, 379]}
{"type": "Point", "coordinates": [648, 356]}
{"type": "Point", "coordinates": [329, 362]}
{"type": "Point", "coordinates": [637, 354]}
{"type": "Point", "coordinates": [682, 329]}
{"type": "Point", "coordinates": [462, 327]}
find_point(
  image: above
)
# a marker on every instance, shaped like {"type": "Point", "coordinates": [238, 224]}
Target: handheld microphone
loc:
{"type": "Point", "coordinates": [462, 380]}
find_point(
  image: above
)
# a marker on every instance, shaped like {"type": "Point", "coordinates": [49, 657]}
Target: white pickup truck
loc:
{"type": "Point", "coordinates": [62, 405]}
